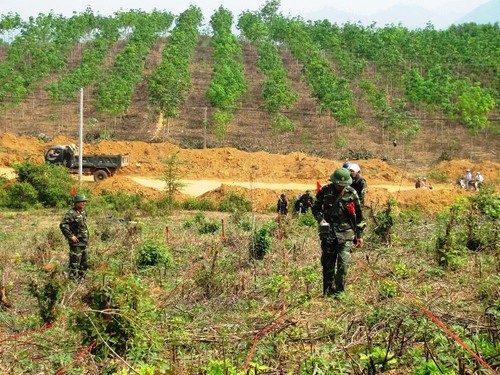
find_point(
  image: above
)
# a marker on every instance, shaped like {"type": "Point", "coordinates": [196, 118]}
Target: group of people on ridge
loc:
{"type": "Point", "coordinates": [421, 183]}
{"type": "Point", "coordinates": [467, 181]}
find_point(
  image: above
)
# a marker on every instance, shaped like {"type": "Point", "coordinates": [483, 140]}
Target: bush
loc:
{"type": "Point", "coordinates": [152, 253]}
{"type": "Point", "coordinates": [52, 183]}
{"type": "Point", "coordinates": [22, 195]}
{"type": "Point", "coordinates": [307, 219]}
{"type": "Point", "coordinates": [260, 242]}
{"type": "Point", "coordinates": [488, 201]}
{"type": "Point", "coordinates": [120, 314]}
{"type": "Point", "coordinates": [202, 204]}
{"type": "Point", "coordinates": [234, 202]}
{"type": "Point", "coordinates": [438, 176]}
{"type": "Point", "coordinates": [122, 202]}
{"type": "Point", "coordinates": [209, 227]}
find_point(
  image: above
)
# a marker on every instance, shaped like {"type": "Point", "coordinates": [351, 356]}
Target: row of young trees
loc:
{"type": "Point", "coordinates": [228, 82]}
{"type": "Point", "coordinates": [114, 94]}
{"type": "Point", "coordinates": [449, 71]}
{"type": "Point", "coordinates": [91, 69]}
{"type": "Point", "coordinates": [278, 94]}
{"type": "Point", "coordinates": [170, 81]}
{"type": "Point", "coordinates": [42, 46]}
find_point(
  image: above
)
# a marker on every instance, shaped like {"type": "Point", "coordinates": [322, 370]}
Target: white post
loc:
{"type": "Point", "coordinates": [80, 145]}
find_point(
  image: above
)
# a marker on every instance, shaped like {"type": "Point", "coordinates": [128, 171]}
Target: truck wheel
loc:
{"type": "Point", "coordinates": [100, 175]}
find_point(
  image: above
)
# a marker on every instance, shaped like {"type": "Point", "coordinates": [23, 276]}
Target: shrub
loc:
{"type": "Point", "coordinates": [384, 221]}
{"type": "Point", "coordinates": [242, 221]}
{"type": "Point", "coordinates": [307, 219]}
{"type": "Point", "coordinates": [3, 191]}
{"type": "Point", "coordinates": [488, 201]}
{"type": "Point", "coordinates": [52, 183]}
{"type": "Point", "coordinates": [49, 295]}
{"type": "Point", "coordinates": [122, 202]}
{"type": "Point", "coordinates": [202, 204]}
{"type": "Point", "coordinates": [234, 202]}
{"type": "Point", "coordinates": [209, 227]}
{"type": "Point", "coordinates": [22, 195]}
{"type": "Point", "coordinates": [120, 311]}
{"type": "Point", "coordinates": [260, 242]}
{"type": "Point", "coordinates": [152, 253]}
{"type": "Point", "coordinates": [438, 176]}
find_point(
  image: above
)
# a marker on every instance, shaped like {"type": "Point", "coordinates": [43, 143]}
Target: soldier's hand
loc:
{"type": "Point", "coordinates": [359, 242]}
{"type": "Point", "coordinates": [74, 239]}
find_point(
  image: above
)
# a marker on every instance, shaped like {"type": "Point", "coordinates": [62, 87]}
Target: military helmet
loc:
{"type": "Point", "coordinates": [341, 176]}
{"type": "Point", "coordinates": [80, 197]}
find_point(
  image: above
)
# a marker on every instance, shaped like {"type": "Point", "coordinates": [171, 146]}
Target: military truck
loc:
{"type": "Point", "coordinates": [100, 166]}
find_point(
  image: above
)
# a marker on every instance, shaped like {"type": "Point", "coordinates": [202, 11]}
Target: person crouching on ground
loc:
{"type": "Point", "coordinates": [337, 210]}
{"type": "Point", "coordinates": [74, 227]}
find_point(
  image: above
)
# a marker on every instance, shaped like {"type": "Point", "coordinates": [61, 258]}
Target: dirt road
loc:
{"type": "Point", "coordinates": [195, 188]}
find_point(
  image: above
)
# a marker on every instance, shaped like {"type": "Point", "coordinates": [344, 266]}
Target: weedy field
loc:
{"type": "Point", "coordinates": [176, 291]}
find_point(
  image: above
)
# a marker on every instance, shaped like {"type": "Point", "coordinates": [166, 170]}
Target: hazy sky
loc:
{"type": "Point", "coordinates": [26, 8]}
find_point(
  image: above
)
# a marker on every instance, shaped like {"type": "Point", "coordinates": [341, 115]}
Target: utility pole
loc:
{"type": "Point", "coordinates": [205, 124]}
{"type": "Point", "coordinates": [80, 145]}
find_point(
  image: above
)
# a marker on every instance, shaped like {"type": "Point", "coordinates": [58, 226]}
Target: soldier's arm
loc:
{"type": "Point", "coordinates": [65, 225]}
{"type": "Point", "coordinates": [317, 207]}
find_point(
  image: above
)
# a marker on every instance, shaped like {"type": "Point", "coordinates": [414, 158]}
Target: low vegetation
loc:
{"type": "Point", "coordinates": [176, 291]}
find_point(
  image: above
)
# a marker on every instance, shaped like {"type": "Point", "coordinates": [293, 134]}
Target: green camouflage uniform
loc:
{"type": "Point", "coordinates": [344, 229]}
{"type": "Point", "coordinates": [74, 223]}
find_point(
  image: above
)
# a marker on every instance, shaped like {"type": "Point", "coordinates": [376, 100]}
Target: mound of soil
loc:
{"type": "Point", "coordinates": [229, 165]}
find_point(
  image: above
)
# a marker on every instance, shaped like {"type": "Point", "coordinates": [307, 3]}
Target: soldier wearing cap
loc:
{"type": "Point", "coordinates": [358, 183]}
{"type": "Point", "coordinates": [338, 211]}
{"type": "Point", "coordinates": [74, 227]}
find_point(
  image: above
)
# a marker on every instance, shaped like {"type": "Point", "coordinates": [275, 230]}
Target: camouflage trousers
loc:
{"type": "Point", "coordinates": [78, 261]}
{"type": "Point", "coordinates": [335, 259]}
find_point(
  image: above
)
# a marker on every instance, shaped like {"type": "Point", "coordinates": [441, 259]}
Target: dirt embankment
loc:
{"type": "Point", "coordinates": [260, 176]}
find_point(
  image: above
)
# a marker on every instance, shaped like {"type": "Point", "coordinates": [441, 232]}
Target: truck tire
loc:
{"type": "Point", "coordinates": [100, 175]}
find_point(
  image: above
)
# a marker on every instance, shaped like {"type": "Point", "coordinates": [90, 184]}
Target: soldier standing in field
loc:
{"type": "Point", "coordinates": [282, 205]}
{"type": "Point", "coordinates": [74, 227]}
{"type": "Point", "coordinates": [338, 211]}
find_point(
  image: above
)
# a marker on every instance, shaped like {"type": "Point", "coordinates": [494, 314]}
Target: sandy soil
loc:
{"type": "Point", "coordinates": [260, 176]}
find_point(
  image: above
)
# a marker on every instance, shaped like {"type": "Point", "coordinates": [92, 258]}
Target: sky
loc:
{"type": "Point", "coordinates": [27, 8]}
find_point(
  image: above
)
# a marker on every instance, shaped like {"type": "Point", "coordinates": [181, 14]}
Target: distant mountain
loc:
{"type": "Point", "coordinates": [410, 16]}
{"type": "Point", "coordinates": [486, 13]}
{"type": "Point", "coordinates": [415, 16]}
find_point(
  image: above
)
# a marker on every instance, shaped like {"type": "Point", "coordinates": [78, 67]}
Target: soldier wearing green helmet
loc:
{"type": "Point", "coordinates": [338, 211]}
{"type": "Point", "coordinates": [74, 227]}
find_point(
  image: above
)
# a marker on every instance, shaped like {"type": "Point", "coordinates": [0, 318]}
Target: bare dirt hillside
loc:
{"type": "Point", "coordinates": [261, 176]}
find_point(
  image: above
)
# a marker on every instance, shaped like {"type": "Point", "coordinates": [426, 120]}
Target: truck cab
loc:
{"type": "Point", "coordinates": [61, 155]}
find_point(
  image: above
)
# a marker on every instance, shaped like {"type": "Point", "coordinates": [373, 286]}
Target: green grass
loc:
{"type": "Point", "coordinates": [208, 306]}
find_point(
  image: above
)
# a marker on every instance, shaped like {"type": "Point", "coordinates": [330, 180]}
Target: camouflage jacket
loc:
{"type": "Point", "coordinates": [332, 207]}
{"type": "Point", "coordinates": [74, 223]}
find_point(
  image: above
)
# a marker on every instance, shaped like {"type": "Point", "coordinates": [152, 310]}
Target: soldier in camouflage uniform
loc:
{"type": "Point", "coordinates": [74, 227]}
{"type": "Point", "coordinates": [338, 211]}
